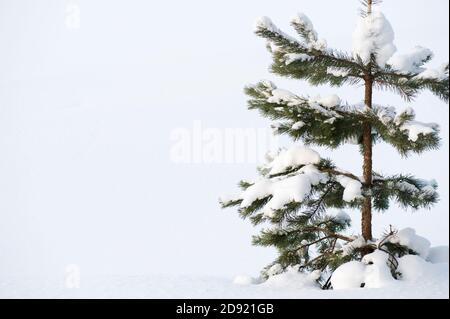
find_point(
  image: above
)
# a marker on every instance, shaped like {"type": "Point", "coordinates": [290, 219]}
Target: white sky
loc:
{"type": "Point", "coordinates": [86, 117]}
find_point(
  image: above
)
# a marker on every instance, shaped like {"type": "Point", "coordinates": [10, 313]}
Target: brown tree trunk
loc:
{"type": "Point", "coordinates": [369, 6]}
{"type": "Point", "coordinates": [366, 218]}
{"type": "Point", "coordinates": [366, 212]}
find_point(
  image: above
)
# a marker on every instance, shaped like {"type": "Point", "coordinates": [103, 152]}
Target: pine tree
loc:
{"type": "Point", "coordinates": [298, 188]}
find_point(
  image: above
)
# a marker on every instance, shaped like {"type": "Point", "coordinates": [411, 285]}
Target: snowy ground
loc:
{"type": "Point", "coordinates": [434, 284]}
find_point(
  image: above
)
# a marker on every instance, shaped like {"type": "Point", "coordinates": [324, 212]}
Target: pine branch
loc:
{"type": "Point", "coordinates": [408, 85]}
{"type": "Point", "coordinates": [331, 234]}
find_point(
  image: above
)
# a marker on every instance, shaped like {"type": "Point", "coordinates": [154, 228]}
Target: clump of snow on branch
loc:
{"type": "Point", "coordinates": [283, 190]}
{"type": "Point", "coordinates": [280, 96]}
{"type": "Point", "coordinates": [408, 237]}
{"type": "Point", "coordinates": [305, 27]}
{"type": "Point", "coordinates": [415, 128]}
{"type": "Point", "coordinates": [226, 198]}
{"type": "Point", "coordinates": [352, 188]}
{"type": "Point", "coordinates": [305, 23]}
{"type": "Point", "coordinates": [350, 247]}
{"type": "Point", "coordinates": [410, 62]}
{"type": "Point", "coordinates": [405, 187]}
{"type": "Point", "coordinates": [342, 217]}
{"type": "Point", "coordinates": [296, 186]}
{"type": "Point", "coordinates": [293, 57]}
{"type": "Point", "coordinates": [440, 73]}
{"type": "Point", "coordinates": [298, 125]}
{"type": "Point", "coordinates": [329, 100]}
{"type": "Point", "coordinates": [339, 72]}
{"type": "Point", "coordinates": [374, 36]}
{"type": "Point", "coordinates": [329, 105]}
{"type": "Point", "coordinates": [293, 157]}
{"type": "Point", "coordinates": [265, 23]}
{"type": "Point", "coordinates": [324, 105]}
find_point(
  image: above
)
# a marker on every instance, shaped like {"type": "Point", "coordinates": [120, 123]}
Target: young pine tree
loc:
{"type": "Point", "coordinates": [298, 187]}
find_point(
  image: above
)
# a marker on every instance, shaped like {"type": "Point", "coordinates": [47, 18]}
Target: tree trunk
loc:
{"type": "Point", "coordinates": [366, 218]}
{"type": "Point", "coordinates": [369, 6]}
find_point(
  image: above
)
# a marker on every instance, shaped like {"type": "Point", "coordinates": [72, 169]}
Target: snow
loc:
{"type": "Point", "coordinates": [352, 140]}
{"type": "Point", "coordinates": [406, 187]}
{"type": "Point", "coordinates": [349, 275]}
{"type": "Point", "coordinates": [434, 74]}
{"type": "Point", "coordinates": [227, 198]}
{"type": "Point", "coordinates": [412, 267]}
{"type": "Point", "coordinates": [286, 189]}
{"type": "Point", "coordinates": [408, 237]}
{"type": "Point", "coordinates": [374, 272]}
{"type": "Point", "coordinates": [310, 34]}
{"type": "Point", "coordinates": [377, 273]}
{"type": "Point", "coordinates": [291, 189]}
{"type": "Point", "coordinates": [265, 23]}
{"type": "Point", "coordinates": [292, 279]}
{"type": "Point", "coordinates": [315, 175]}
{"type": "Point", "coordinates": [323, 105]}
{"type": "Point", "coordinates": [274, 270]}
{"type": "Point", "coordinates": [339, 72]}
{"type": "Point", "coordinates": [260, 189]}
{"type": "Point", "coordinates": [331, 120]}
{"type": "Point", "coordinates": [432, 283]}
{"type": "Point", "coordinates": [283, 190]}
{"type": "Point", "coordinates": [388, 114]}
{"type": "Point", "coordinates": [279, 96]}
{"type": "Point", "coordinates": [298, 125]}
{"type": "Point", "coordinates": [378, 257]}
{"type": "Point", "coordinates": [352, 188]}
{"type": "Point", "coordinates": [243, 280]}
{"type": "Point", "coordinates": [438, 254]}
{"type": "Point", "coordinates": [293, 157]}
{"type": "Point", "coordinates": [428, 190]}
{"type": "Point", "coordinates": [385, 114]}
{"type": "Point", "coordinates": [415, 128]}
{"type": "Point", "coordinates": [342, 217]}
{"type": "Point", "coordinates": [374, 35]}
{"type": "Point", "coordinates": [408, 111]}
{"type": "Point", "coordinates": [410, 62]}
{"type": "Point", "coordinates": [295, 187]}
{"type": "Point", "coordinates": [330, 101]}
{"type": "Point", "coordinates": [348, 248]}
{"type": "Point", "coordinates": [305, 22]}
{"type": "Point", "coordinates": [293, 57]}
